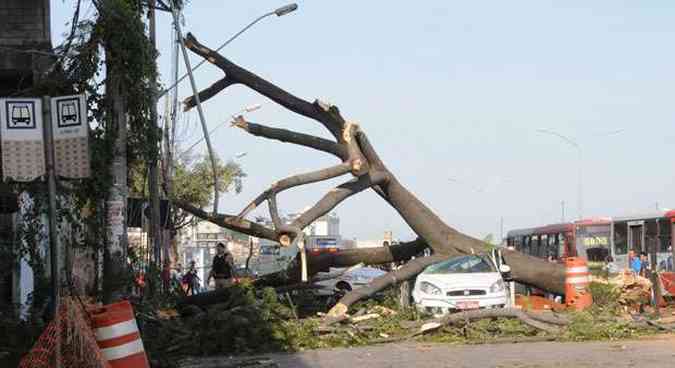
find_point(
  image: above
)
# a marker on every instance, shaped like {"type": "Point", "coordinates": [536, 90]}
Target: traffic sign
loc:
{"type": "Point", "coordinates": [23, 155]}
{"type": "Point", "coordinates": [71, 136]}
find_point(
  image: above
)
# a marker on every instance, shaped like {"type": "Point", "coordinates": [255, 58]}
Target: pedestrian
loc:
{"type": "Point", "coordinates": [191, 279]}
{"type": "Point", "coordinates": [635, 263]}
{"type": "Point", "coordinates": [644, 264]}
{"type": "Point", "coordinates": [222, 269]}
{"type": "Point", "coordinates": [166, 276]}
{"type": "Point", "coordinates": [609, 266]}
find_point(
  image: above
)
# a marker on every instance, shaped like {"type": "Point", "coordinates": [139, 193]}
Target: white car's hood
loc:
{"type": "Point", "coordinates": [450, 281]}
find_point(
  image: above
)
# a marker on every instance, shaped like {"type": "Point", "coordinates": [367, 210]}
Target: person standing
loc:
{"type": "Point", "coordinates": [644, 265]}
{"type": "Point", "coordinates": [635, 263]}
{"type": "Point", "coordinates": [191, 279]}
{"type": "Point", "coordinates": [222, 269]}
{"type": "Point", "coordinates": [166, 277]}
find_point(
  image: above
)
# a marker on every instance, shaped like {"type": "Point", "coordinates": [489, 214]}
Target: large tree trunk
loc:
{"type": "Point", "coordinates": [358, 158]}
{"type": "Point", "coordinates": [114, 258]}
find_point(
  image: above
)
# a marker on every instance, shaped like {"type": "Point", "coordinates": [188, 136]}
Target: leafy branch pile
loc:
{"type": "Point", "coordinates": [260, 321]}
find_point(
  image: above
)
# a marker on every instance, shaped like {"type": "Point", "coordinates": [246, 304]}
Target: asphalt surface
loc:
{"type": "Point", "coordinates": [655, 352]}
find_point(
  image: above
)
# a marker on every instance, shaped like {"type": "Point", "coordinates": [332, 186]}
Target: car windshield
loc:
{"type": "Point", "coordinates": [466, 264]}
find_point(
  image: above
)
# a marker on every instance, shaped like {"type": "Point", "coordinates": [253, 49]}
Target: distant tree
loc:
{"type": "Point", "coordinates": [192, 182]}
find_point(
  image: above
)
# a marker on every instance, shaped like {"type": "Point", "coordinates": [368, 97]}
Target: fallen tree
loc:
{"type": "Point", "coordinates": [359, 159]}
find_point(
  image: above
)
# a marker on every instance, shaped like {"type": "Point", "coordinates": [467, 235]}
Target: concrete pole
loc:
{"type": "Point", "coordinates": [202, 118]}
{"type": "Point", "coordinates": [54, 250]}
{"type": "Point", "coordinates": [153, 180]}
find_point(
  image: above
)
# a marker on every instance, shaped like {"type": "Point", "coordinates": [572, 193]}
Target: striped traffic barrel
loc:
{"type": "Point", "coordinates": [577, 279]}
{"type": "Point", "coordinates": [117, 336]}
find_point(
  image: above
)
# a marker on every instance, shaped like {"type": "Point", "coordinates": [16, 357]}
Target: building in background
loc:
{"type": "Point", "coordinates": [322, 233]}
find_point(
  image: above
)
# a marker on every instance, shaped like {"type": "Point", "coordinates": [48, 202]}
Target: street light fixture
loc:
{"type": "Point", "coordinates": [577, 146]}
{"type": "Point", "coordinates": [286, 9]}
{"type": "Point", "coordinates": [573, 143]}
{"type": "Point", "coordinates": [278, 12]}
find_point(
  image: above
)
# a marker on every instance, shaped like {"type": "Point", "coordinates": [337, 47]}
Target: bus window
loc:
{"type": "Point", "coordinates": [651, 237]}
{"type": "Point", "coordinates": [593, 242]}
{"type": "Point", "coordinates": [552, 249]}
{"type": "Point", "coordinates": [620, 238]}
{"type": "Point", "coordinates": [526, 245]}
{"type": "Point", "coordinates": [534, 245]}
{"type": "Point", "coordinates": [561, 246]}
{"type": "Point", "coordinates": [543, 242]}
{"type": "Point", "coordinates": [664, 236]}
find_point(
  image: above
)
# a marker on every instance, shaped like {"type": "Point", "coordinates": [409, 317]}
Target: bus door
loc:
{"type": "Point", "coordinates": [636, 236]}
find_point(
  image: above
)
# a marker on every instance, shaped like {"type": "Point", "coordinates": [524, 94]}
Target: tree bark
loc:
{"type": "Point", "coordinates": [115, 251]}
{"type": "Point", "coordinates": [352, 147]}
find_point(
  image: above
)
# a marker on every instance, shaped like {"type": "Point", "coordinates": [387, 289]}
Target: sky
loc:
{"type": "Point", "coordinates": [453, 95]}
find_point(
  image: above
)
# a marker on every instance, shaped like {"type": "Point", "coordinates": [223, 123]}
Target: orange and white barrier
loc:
{"type": "Point", "coordinates": [118, 337]}
{"type": "Point", "coordinates": [577, 280]}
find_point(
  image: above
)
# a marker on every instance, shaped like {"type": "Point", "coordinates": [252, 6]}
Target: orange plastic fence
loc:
{"type": "Point", "coordinates": [68, 342]}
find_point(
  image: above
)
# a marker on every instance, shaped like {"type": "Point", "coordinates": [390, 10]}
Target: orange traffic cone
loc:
{"type": "Point", "coordinates": [577, 294]}
{"type": "Point", "coordinates": [118, 337]}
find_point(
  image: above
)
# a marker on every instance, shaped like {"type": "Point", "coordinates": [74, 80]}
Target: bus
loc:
{"type": "Point", "coordinates": [589, 238]}
{"type": "Point", "coordinates": [650, 232]}
{"type": "Point", "coordinates": [596, 239]}
{"type": "Point", "coordinates": [555, 241]}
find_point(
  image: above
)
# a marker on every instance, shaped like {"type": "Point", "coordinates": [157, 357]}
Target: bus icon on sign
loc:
{"type": "Point", "coordinates": [20, 114]}
{"type": "Point", "coordinates": [68, 112]}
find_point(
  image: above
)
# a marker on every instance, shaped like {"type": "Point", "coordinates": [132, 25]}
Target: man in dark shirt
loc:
{"type": "Point", "coordinates": [222, 268]}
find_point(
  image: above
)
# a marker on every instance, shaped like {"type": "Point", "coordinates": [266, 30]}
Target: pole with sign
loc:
{"type": "Point", "coordinates": [45, 137]}
{"type": "Point", "coordinates": [55, 249]}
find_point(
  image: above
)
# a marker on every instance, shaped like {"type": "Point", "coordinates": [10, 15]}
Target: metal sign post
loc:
{"type": "Point", "coordinates": [55, 249]}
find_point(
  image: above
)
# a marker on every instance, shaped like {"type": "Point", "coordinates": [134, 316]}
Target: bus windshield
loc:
{"type": "Point", "coordinates": [593, 242]}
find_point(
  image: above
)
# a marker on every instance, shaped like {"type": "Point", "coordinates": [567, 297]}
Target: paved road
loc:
{"type": "Point", "coordinates": [656, 352]}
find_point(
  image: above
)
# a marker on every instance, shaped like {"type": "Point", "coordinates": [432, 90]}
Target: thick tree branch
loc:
{"type": "Point", "coordinates": [230, 222]}
{"type": "Point", "coordinates": [337, 195]}
{"type": "Point", "coordinates": [289, 136]}
{"type": "Point", "coordinates": [406, 272]}
{"type": "Point", "coordinates": [265, 88]}
{"type": "Point", "coordinates": [274, 211]}
{"type": "Point", "coordinates": [294, 181]}
{"type": "Point", "coordinates": [369, 256]}
{"type": "Point", "coordinates": [207, 93]}
{"type": "Point", "coordinates": [321, 263]}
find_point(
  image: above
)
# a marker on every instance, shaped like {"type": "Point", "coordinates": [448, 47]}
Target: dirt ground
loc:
{"type": "Point", "coordinates": [655, 352]}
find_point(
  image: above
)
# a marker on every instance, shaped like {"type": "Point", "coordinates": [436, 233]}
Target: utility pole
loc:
{"type": "Point", "coordinates": [562, 208]}
{"type": "Point", "coordinates": [501, 229]}
{"type": "Point", "coordinates": [54, 250]}
{"type": "Point", "coordinates": [153, 180]}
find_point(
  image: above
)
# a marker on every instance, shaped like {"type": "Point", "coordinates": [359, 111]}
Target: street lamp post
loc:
{"type": "Point", "coordinates": [278, 12]}
{"type": "Point", "coordinates": [575, 145]}
{"type": "Point", "coordinates": [176, 23]}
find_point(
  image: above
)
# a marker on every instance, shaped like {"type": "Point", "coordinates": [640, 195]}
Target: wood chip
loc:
{"type": "Point", "coordinates": [365, 317]}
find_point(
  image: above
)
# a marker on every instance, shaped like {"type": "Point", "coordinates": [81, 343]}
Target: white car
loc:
{"type": "Point", "coordinates": [347, 281]}
{"type": "Point", "coordinates": [467, 282]}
